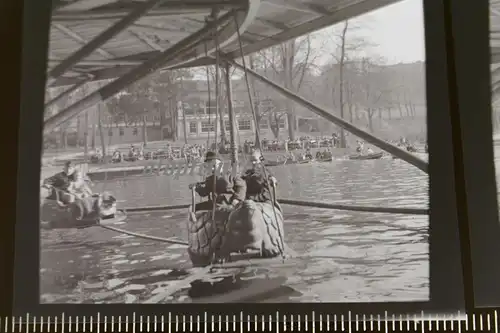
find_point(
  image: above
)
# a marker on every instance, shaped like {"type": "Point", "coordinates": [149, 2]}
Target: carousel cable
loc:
{"type": "Point", "coordinates": [247, 83]}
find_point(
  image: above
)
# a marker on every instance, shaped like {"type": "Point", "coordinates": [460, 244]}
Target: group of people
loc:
{"type": "Point", "coordinates": [360, 148]}
{"type": "Point", "coordinates": [70, 190]}
{"type": "Point", "coordinates": [255, 184]}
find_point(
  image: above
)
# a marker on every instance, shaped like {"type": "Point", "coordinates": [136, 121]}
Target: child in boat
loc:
{"type": "Point", "coordinates": [78, 187]}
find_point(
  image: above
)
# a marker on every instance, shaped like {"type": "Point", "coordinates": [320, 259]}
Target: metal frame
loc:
{"type": "Point", "coordinates": [307, 18]}
{"type": "Point", "coordinates": [100, 40]}
{"type": "Point", "coordinates": [67, 92]}
{"type": "Point", "coordinates": [191, 47]}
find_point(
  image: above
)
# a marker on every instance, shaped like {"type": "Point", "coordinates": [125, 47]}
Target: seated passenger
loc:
{"type": "Point", "coordinates": [369, 151]}
{"type": "Point", "coordinates": [78, 187]}
{"type": "Point", "coordinates": [60, 182]}
{"type": "Point", "coordinates": [258, 180]}
{"type": "Point", "coordinates": [93, 207]}
{"type": "Point", "coordinates": [224, 185]}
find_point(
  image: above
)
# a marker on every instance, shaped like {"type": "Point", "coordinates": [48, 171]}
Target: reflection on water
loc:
{"type": "Point", "coordinates": [342, 256]}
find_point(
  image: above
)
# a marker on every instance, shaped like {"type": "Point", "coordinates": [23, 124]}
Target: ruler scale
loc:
{"type": "Point", "coordinates": [279, 322]}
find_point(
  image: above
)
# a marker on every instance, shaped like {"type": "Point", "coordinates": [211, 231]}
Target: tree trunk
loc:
{"type": "Point", "coordinates": [93, 129]}
{"type": "Point", "coordinates": [86, 136]}
{"type": "Point", "coordinates": [369, 114]}
{"type": "Point", "coordinates": [180, 109]}
{"type": "Point", "coordinates": [144, 130]}
{"type": "Point", "coordinates": [78, 128]}
{"type": "Point", "coordinates": [341, 83]}
{"type": "Point", "coordinates": [101, 131]}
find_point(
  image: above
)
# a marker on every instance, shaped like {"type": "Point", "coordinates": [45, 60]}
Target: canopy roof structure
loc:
{"type": "Point", "coordinates": [139, 30]}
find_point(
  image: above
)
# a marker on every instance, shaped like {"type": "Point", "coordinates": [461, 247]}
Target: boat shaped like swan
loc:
{"type": "Point", "coordinates": [55, 215]}
{"type": "Point", "coordinates": [250, 226]}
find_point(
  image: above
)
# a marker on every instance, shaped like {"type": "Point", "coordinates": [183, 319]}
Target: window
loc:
{"type": "Point", "coordinates": [193, 128]}
{"type": "Point", "coordinates": [121, 131]}
{"type": "Point", "coordinates": [156, 118]}
{"type": "Point", "coordinates": [263, 124]}
{"type": "Point", "coordinates": [110, 132]}
{"type": "Point", "coordinates": [228, 125]}
{"type": "Point", "coordinates": [207, 127]}
{"type": "Point", "coordinates": [244, 125]}
{"type": "Point", "coordinates": [282, 123]}
{"type": "Point", "coordinates": [135, 131]}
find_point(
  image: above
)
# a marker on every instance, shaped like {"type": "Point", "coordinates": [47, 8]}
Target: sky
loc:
{"type": "Point", "coordinates": [396, 31]}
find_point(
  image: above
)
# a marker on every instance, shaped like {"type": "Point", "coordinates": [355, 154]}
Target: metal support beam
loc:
{"type": "Point", "coordinates": [102, 38]}
{"type": "Point", "coordinates": [66, 92]}
{"type": "Point", "coordinates": [232, 122]}
{"type": "Point", "coordinates": [163, 59]}
{"type": "Point", "coordinates": [77, 38]}
{"type": "Point", "coordinates": [404, 155]}
{"type": "Point", "coordinates": [146, 40]}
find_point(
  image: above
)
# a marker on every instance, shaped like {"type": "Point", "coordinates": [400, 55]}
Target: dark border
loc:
{"type": "Point", "coordinates": [11, 34]}
{"type": "Point", "coordinates": [471, 32]}
{"type": "Point", "coordinates": [445, 268]}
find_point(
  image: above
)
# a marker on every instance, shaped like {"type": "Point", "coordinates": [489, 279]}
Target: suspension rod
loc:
{"type": "Point", "coordinates": [163, 59]}
{"type": "Point", "coordinates": [101, 39]}
{"type": "Point", "coordinates": [398, 152]}
{"type": "Point", "coordinates": [300, 203]}
{"type": "Point", "coordinates": [232, 121]}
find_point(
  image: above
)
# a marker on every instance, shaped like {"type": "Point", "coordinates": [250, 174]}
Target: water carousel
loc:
{"type": "Point", "coordinates": [151, 35]}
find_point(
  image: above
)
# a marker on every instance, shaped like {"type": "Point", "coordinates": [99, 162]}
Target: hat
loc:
{"type": "Point", "coordinates": [210, 156]}
{"type": "Point", "coordinates": [68, 164]}
{"type": "Point", "coordinates": [107, 197]}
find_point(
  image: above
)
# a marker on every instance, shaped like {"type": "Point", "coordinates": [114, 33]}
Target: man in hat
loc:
{"type": "Point", "coordinates": [225, 185]}
{"type": "Point", "coordinates": [258, 179]}
{"type": "Point", "coordinates": [60, 182]}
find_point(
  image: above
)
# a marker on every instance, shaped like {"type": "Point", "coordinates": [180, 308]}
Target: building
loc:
{"type": "Point", "coordinates": [195, 117]}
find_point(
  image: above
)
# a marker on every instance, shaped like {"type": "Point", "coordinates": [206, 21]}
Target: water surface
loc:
{"type": "Point", "coordinates": [343, 256]}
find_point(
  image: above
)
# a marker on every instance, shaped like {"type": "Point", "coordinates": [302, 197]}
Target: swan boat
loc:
{"type": "Point", "coordinates": [251, 228]}
{"type": "Point", "coordinates": [56, 215]}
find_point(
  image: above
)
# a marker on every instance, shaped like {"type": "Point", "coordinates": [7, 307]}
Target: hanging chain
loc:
{"type": "Point", "coordinates": [213, 17]}
{"type": "Point", "coordinates": [209, 97]}
{"type": "Point", "coordinates": [273, 193]}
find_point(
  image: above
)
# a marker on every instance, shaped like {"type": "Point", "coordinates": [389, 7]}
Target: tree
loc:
{"type": "Point", "coordinates": [159, 93]}
{"type": "Point", "coordinates": [371, 87]}
{"type": "Point", "coordinates": [289, 63]}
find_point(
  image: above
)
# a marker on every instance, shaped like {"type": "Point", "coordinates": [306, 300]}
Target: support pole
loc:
{"type": "Point", "coordinates": [404, 155]}
{"type": "Point", "coordinates": [181, 48]}
{"type": "Point", "coordinates": [66, 92]}
{"type": "Point", "coordinates": [230, 111]}
{"type": "Point", "coordinates": [101, 39]}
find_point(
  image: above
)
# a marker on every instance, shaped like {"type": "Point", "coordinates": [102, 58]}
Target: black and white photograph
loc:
{"type": "Point", "coordinates": [235, 151]}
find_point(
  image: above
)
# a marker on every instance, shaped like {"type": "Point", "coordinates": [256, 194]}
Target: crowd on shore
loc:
{"type": "Point", "coordinates": [193, 152]}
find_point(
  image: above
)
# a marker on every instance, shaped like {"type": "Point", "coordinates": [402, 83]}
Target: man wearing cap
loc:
{"type": "Point", "coordinates": [258, 179]}
{"type": "Point", "coordinates": [224, 185]}
{"type": "Point", "coordinates": [60, 182]}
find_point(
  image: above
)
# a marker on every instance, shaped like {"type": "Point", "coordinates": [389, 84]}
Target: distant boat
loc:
{"type": "Point", "coordinates": [374, 156]}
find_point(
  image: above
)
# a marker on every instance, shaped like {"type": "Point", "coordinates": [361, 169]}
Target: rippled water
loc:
{"type": "Point", "coordinates": [342, 256]}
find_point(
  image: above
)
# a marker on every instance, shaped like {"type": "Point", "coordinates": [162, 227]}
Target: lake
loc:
{"type": "Point", "coordinates": [343, 256]}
